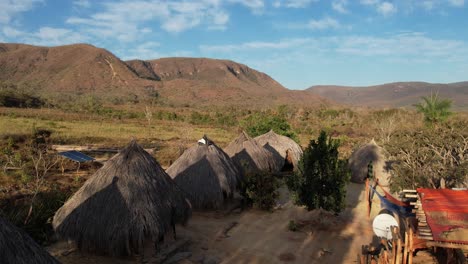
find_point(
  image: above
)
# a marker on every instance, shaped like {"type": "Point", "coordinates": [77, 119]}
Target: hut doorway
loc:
{"type": "Point", "coordinates": [288, 162]}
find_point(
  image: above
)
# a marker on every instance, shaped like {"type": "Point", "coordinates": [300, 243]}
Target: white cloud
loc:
{"type": "Point", "coordinates": [293, 3]}
{"type": "Point", "coordinates": [10, 8]}
{"type": "Point", "coordinates": [45, 36]}
{"type": "Point", "coordinates": [428, 5]}
{"type": "Point", "coordinates": [324, 23]}
{"type": "Point", "coordinates": [126, 21]}
{"type": "Point", "coordinates": [386, 8]}
{"type": "Point", "coordinates": [405, 46]}
{"type": "Point", "coordinates": [458, 3]}
{"type": "Point", "coordinates": [256, 6]}
{"type": "Point", "coordinates": [82, 3]}
{"type": "Point", "coordinates": [340, 6]}
{"type": "Point", "coordinates": [369, 2]}
{"type": "Point", "coordinates": [180, 23]}
{"type": "Point", "coordinates": [145, 51]}
{"type": "Point", "coordinates": [255, 45]}
{"type": "Point", "coordinates": [13, 33]}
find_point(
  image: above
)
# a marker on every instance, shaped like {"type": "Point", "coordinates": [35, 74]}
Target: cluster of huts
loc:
{"type": "Point", "coordinates": [132, 200]}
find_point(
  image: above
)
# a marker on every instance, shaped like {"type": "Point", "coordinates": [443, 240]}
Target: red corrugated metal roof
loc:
{"type": "Point", "coordinates": [446, 214]}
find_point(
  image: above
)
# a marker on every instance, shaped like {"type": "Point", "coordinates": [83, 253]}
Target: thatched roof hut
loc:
{"type": "Point", "coordinates": [18, 247]}
{"type": "Point", "coordinates": [207, 175]}
{"type": "Point", "coordinates": [359, 161]}
{"type": "Point", "coordinates": [288, 150]}
{"type": "Point", "coordinates": [127, 202]}
{"type": "Point", "coordinates": [249, 156]}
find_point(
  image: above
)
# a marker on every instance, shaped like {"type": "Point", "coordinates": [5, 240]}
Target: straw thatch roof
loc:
{"type": "Point", "coordinates": [128, 201]}
{"type": "Point", "coordinates": [18, 247]}
{"type": "Point", "coordinates": [207, 175]}
{"type": "Point", "coordinates": [249, 156]}
{"type": "Point", "coordinates": [360, 159]}
{"type": "Point", "coordinates": [283, 146]}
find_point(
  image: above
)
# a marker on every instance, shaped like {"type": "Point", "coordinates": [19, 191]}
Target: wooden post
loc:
{"type": "Point", "coordinates": [410, 246]}
{"type": "Point", "coordinates": [398, 252]}
{"type": "Point", "coordinates": [405, 250]}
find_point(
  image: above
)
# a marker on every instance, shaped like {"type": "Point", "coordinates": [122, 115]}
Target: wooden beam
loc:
{"type": "Point", "coordinates": [447, 245]}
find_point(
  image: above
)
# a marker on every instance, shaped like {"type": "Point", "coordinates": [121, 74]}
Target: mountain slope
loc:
{"type": "Point", "coordinates": [82, 69]}
{"type": "Point", "coordinates": [77, 69]}
{"type": "Point", "coordinates": [393, 94]}
{"type": "Point", "coordinates": [211, 81]}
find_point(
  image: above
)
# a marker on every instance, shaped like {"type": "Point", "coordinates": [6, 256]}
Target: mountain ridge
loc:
{"type": "Point", "coordinates": [86, 69]}
{"type": "Point", "coordinates": [396, 94]}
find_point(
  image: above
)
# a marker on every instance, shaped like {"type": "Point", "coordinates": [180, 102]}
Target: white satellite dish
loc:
{"type": "Point", "coordinates": [382, 225]}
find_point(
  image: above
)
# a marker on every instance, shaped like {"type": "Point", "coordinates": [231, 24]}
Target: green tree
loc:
{"type": "Point", "coordinates": [260, 123]}
{"type": "Point", "coordinates": [434, 109]}
{"type": "Point", "coordinates": [320, 181]}
{"type": "Point", "coordinates": [260, 189]}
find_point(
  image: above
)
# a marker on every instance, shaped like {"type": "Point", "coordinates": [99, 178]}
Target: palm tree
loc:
{"type": "Point", "coordinates": [435, 109]}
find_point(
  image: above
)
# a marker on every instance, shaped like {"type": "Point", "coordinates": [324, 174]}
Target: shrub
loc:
{"type": "Point", "coordinates": [197, 118]}
{"type": "Point", "coordinates": [45, 205]}
{"type": "Point", "coordinates": [321, 177]}
{"type": "Point", "coordinates": [260, 123]}
{"type": "Point", "coordinates": [10, 98]}
{"type": "Point", "coordinates": [261, 190]}
{"type": "Point", "coordinates": [293, 226]}
{"type": "Point", "coordinates": [428, 156]}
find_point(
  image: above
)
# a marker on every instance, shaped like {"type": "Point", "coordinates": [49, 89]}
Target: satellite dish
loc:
{"type": "Point", "coordinates": [382, 225]}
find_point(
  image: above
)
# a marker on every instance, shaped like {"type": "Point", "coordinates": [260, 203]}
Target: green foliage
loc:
{"type": "Point", "coordinates": [429, 156]}
{"type": "Point", "coordinates": [12, 98]}
{"type": "Point", "coordinates": [260, 123]}
{"type": "Point", "coordinates": [434, 109]}
{"type": "Point", "coordinates": [293, 226]}
{"type": "Point", "coordinates": [261, 190]}
{"type": "Point", "coordinates": [45, 205]}
{"type": "Point", "coordinates": [320, 181]}
{"type": "Point", "coordinates": [197, 118]}
{"type": "Point", "coordinates": [166, 115]}
{"type": "Point", "coordinates": [225, 119]}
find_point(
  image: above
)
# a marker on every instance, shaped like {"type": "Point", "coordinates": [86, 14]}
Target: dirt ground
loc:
{"type": "Point", "coordinates": [263, 237]}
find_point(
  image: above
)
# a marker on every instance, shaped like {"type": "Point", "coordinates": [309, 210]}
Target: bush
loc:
{"type": "Point", "coordinates": [261, 190]}
{"type": "Point", "coordinates": [10, 98]}
{"type": "Point", "coordinates": [321, 177]}
{"type": "Point", "coordinates": [260, 123]}
{"type": "Point", "coordinates": [293, 226]}
{"type": "Point", "coordinates": [39, 225]}
{"type": "Point", "coordinates": [200, 119]}
{"type": "Point", "coordinates": [428, 156]}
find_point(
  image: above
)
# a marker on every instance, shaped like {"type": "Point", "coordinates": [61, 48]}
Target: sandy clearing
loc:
{"type": "Point", "coordinates": [263, 237]}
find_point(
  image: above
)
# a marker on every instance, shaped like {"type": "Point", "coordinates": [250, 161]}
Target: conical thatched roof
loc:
{"type": "Point", "coordinates": [281, 145]}
{"type": "Point", "coordinates": [18, 247]}
{"type": "Point", "coordinates": [129, 200]}
{"type": "Point", "coordinates": [249, 156]}
{"type": "Point", "coordinates": [360, 159]}
{"type": "Point", "coordinates": [207, 175]}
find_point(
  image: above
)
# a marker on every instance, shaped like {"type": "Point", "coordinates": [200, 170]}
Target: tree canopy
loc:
{"type": "Point", "coordinates": [320, 181]}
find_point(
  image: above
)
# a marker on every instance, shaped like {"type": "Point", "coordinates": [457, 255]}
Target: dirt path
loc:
{"type": "Point", "coordinates": [263, 237]}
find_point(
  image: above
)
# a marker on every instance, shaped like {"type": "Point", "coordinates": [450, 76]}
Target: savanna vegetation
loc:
{"type": "Point", "coordinates": [35, 182]}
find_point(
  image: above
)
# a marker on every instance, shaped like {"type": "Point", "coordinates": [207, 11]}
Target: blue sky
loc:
{"type": "Point", "coordinates": [299, 43]}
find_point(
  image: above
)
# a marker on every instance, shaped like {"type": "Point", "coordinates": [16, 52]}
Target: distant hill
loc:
{"type": "Point", "coordinates": [393, 94]}
{"type": "Point", "coordinates": [212, 81]}
{"type": "Point", "coordinates": [83, 69]}
{"type": "Point", "coordinates": [75, 69]}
